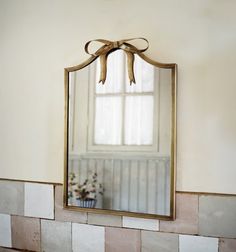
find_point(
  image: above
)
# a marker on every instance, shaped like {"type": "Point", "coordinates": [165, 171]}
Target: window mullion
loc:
{"type": "Point", "coordinates": [123, 104]}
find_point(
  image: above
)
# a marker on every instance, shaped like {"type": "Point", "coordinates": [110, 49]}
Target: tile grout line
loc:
{"type": "Point", "coordinates": [178, 243]}
{"type": "Point", "coordinates": [198, 212]}
{"type": "Point", "coordinates": [140, 241]}
{"type": "Point", "coordinates": [71, 236]}
{"type": "Point", "coordinates": [40, 227]}
{"type": "Point", "coordinates": [54, 202]}
{"type": "Point", "coordinates": [11, 231]}
{"type": "Point", "coordinates": [105, 231]}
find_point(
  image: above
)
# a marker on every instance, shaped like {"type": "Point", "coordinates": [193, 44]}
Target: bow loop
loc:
{"type": "Point", "coordinates": [110, 46]}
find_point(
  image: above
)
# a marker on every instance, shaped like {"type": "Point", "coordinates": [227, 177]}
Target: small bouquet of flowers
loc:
{"type": "Point", "coordinates": [86, 192]}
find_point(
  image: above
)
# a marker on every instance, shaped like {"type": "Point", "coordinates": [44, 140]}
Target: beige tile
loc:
{"type": "Point", "coordinates": [12, 197]}
{"type": "Point", "coordinates": [159, 242]}
{"type": "Point", "coordinates": [121, 239]}
{"type": "Point", "coordinates": [227, 245]}
{"type": "Point", "coordinates": [55, 236]}
{"type": "Point", "coordinates": [106, 220]}
{"type": "Point", "coordinates": [186, 215]}
{"type": "Point", "coordinates": [64, 214]}
{"type": "Point", "coordinates": [25, 233]}
{"type": "Point", "coordinates": [217, 216]}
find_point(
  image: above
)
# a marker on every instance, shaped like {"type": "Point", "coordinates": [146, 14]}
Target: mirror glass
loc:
{"type": "Point", "coordinates": [119, 137]}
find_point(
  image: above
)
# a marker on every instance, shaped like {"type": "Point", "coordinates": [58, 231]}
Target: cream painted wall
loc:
{"type": "Point", "coordinates": [39, 38]}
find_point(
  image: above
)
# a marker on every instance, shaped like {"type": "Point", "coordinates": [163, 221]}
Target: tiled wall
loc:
{"type": "Point", "coordinates": [32, 219]}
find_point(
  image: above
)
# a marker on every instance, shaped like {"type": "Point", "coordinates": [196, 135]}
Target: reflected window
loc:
{"type": "Point", "coordinates": [121, 114]}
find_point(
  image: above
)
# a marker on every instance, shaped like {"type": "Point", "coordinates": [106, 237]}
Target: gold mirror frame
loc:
{"type": "Point", "coordinates": [173, 68]}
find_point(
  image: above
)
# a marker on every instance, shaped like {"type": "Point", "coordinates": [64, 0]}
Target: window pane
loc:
{"type": "Point", "coordinates": [115, 74]}
{"type": "Point", "coordinates": [139, 120]}
{"type": "Point", "coordinates": [144, 76]}
{"type": "Point", "coordinates": [108, 120]}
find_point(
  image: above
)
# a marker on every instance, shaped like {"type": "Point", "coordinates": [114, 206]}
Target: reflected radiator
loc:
{"type": "Point", "coordinates": [132, 184]}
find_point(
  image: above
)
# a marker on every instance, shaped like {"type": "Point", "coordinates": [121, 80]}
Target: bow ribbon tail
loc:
{"type": "Point", "coordinates": [130, 66]}
{"type": "Point", "coordinates": [103, 68]}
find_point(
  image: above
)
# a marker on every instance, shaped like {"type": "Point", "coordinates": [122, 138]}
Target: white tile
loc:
{"type": "Point", "coordinates": [197, 244]}
{"type": "Point", "coordinates": [39, 200]}
{"type": "Point", "coordinates": [5, 230]}
{"type": "Point", "coordinates": [140, 223]}
{"type": "Point", "coordinates": [88, 238]}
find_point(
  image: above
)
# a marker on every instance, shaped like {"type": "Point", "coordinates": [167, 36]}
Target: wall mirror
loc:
{"type": "Point", "coordinates": [120, 136]}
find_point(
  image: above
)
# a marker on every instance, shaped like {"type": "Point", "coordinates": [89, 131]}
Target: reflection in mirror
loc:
{"type": "Point", "coordinates": [119, 137]}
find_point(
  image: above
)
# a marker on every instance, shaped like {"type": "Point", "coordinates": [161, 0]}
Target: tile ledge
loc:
{"type": "Point", "coordinates": [31, 181]}
{"type": "Point", "coordinates": [207, 193]}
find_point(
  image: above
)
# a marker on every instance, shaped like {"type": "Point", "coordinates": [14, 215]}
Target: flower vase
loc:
{"type": "Point", "coordinates": [89, 203]}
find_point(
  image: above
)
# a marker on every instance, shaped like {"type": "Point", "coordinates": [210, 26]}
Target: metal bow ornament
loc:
{"type": "Point", "coordinates": [111, 46]}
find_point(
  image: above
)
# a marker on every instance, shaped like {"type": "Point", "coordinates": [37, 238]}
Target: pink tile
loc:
{"type": "Point", "coordinates": [186, 215]}
{"type": "Point", "coordinates": [227, 245]}
{"type": "Point", "coordinates": [25, 233]}
{"type": "Point", "coordinates": [64, 214]}
{"type": "Point", "coordinates": [121, 239]}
